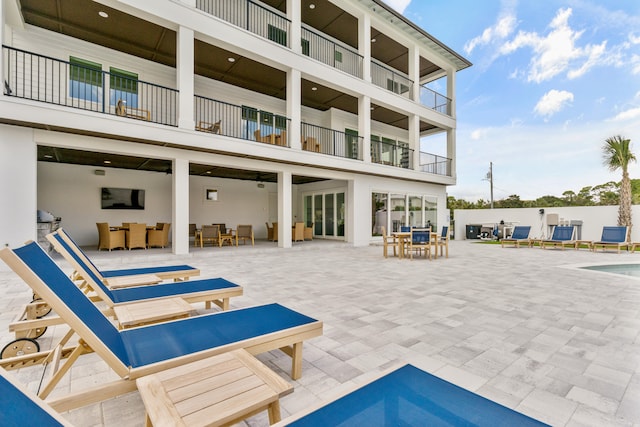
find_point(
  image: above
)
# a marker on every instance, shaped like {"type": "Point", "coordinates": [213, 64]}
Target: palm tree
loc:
{"type": "Point", "coordinates": [617, 155]}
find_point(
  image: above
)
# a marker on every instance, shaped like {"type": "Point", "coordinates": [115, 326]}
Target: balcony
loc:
{"type": "Point", "coordinates": [251, 16]}
{"type": "Point", "coordinates": [392, 153]}
{"type": "Point", "coordinates": [388, 78]}
{"type": "Point", "coordinates": [332, 142]}
{"type": "Point", "coordinates": [77, 85]}
{"type": "Point", "coordinates": [327, 51]}
{"type": "Point", "coordinates": [431, 163]}
{"type": "Point", "coordinates": [432, 99]}
{"type": "Point", "coordinates": [241, 122]}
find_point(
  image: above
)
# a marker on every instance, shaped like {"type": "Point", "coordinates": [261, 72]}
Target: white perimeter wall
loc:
{"type": "Point", "coordinates": [593, 218]}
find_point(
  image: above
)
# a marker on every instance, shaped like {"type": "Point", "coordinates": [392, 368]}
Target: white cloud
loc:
{"type": "Point", "coordinates": [479, 134]}
{"type": "Point", "coordinates": [398, 5]}
{"type": "Point", "coordinates": [502, 29]}
{"type": "Point", "coordinates": [630, 114]}
{"type": "Point", "coordinates": [552, 102]}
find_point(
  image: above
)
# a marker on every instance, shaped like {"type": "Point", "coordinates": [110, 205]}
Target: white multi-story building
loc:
{"type": "Point", "coordinates": [336, 113]}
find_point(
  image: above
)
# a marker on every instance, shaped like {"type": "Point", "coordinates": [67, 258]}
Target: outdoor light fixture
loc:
{"type": "Point", "coordinates": [314, 88]}
{"type": "Point", "coordinates": [312, 6]}
{"type": "Point", "coordinates": [103, 14]}
{"type": "Point", "coordinates": [230, 59]}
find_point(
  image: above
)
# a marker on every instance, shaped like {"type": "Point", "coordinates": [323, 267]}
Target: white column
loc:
{"type": "Point", "coordinates": [294, 9]}
{"type": "Point", "coordinates": [451, 150]}
{"type": "Point", "coordinates": [358, 213]}
{"type": "Point", "coordinates": [451, 92]}
{"type": "Point", "coordinates": [364, 45]}
{"type": "Point", "coordinates": [180, 213]}
{"type": "Point", "coordinates": [185, 73]}
{"type": "Point", "coordinates": [284, 209]}
{"type": "Point", "coordinates": [18, 186]}
{"type": "Point", "coordinates": [414, 71]}
{"type": "Point", "coordinates": [414, 139]}
{"type": "Point", "coordinates": [294, 99]}
{"type": "Point", "coordinates": [364, 126]}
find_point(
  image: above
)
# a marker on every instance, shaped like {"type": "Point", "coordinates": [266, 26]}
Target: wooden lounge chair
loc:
{"type": "Point", "coordinates": [408, 396]}
{"type": "Point", "coordinates": [562, 236]}
{"type": "Point", "coordinates": [613, 237]}
{"type": "Point", "coordinates": [131, 275]}
{"type": "Point", "coordinates": [520, 235]}
{"type": "Point", "coordinates": [20, 407]}
{"type": "Point", "coordinates": [215, 290]}
{"type": "Point", "coordinates": [136, 352]}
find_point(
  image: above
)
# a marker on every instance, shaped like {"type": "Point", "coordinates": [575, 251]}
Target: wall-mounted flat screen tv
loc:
{"type": "Point", "coordinates": [122, 198]}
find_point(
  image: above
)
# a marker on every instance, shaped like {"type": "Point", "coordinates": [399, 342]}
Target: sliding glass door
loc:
{"type": "Point", "coordinates": [326, 213]}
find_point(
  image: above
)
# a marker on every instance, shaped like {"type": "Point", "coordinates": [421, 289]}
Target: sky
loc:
{"type": "Point", "coordinates": [551, 80]}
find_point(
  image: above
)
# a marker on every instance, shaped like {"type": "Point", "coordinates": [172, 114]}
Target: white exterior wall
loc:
{"type": "Point", "coordinates": [593, 218]}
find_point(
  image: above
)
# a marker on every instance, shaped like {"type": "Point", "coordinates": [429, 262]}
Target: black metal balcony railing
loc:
{"type": "Point", "coordinates": [328, 141]}
{"type": "Point", "coordinates": [45, 79]}
{"type": "Point", "coordinates": [432, 163]}
{"type": "Point", "coordinates": [250, 16]}
{"type": "Point", "coordinates": [392, 153]}
{"type": "Point", "coordinates": [434, 100]}
{"type": "Point", "coordinates": [390, 79]}
{"type": "Point", "coordinates": [241, 122]}
{"type": "Point", "coordinates": [337, 55]}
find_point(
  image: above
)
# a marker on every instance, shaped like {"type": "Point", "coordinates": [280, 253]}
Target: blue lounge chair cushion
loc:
{"type": "Point", "coordinates": [521, 232]}
{"type": "Point", "coordinates": [154, 291]}
{"type": "Point", "coordinates": [562, 232]}
{"type": "Point", "coordinates": [122, 272]}
{"type": "Point", "coordinates": [409, 396]}
{"type": "Point", "coordinates": [19, 410]}
{"type": "Point", "coordinates": [614, 234]}
{"type": "Point", "coordinates": [140, 346]}
{"type": "Point", "coordinates": [145, 270]}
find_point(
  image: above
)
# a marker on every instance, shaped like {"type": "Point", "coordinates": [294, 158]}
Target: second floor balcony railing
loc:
{"type": "Point", "coordinates": [41, 78]}
{"type": "Point", "coordinates": [392, 153]}
{"type": "Point", "coordinates": [390, 79]}
{"type": "Point", "coordinates": [329, 141]}
{"type": "Point", "coordinates": [329, 52]}
{"type": "Point", "coordinates": [435, 164]}
{"type": "Point", "coordinates": [251, 16]}
{"type": "Point", "coordinates": [432, 99]}
{"type": "Point", "coordinates": [241, 121]}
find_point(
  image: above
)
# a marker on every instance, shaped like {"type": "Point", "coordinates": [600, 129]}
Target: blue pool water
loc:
{"type": "Point", "coordinates": [626, 269]}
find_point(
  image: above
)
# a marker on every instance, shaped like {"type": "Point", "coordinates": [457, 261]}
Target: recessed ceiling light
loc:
{"type": "Point", "coordinates": [314, 88]}
{"type": "Point", "coordinates": [103, 14]}
{"type": "Point", "coordinates": [230, 59]}
{"type": "Point", "coordinates": [107, 162]}
{"type": "Point", "coordinates": [312, 6]}
{"type": "Point", "coordinates": [209, 172]}
{"type": "Point", "coordinates": [373, 40]}
{"type": "Point", "coordinates": [48, 156]}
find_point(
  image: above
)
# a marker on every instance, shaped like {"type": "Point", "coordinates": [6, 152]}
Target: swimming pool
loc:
{"type": "Point", "coordinates": [625, 269]}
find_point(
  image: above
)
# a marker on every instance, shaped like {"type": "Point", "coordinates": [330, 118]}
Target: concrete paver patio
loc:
{"type": "Point", "coordinates": [522, 327]}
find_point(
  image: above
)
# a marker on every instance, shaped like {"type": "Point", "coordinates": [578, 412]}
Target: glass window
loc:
{"type": "Point", "coordinates": [328, 215]}
{"type": "Point", "coordinates": [317, 214]}
{"type": "Point", "coordinates": [398, 213]}
{"type": "Point", "coordinates": [379, 213]}
{"type": "Point", "coordinates": [308, 211]}
{"type": "Point", "coordinates": [305, 47]}
{"type": "Point", "coordinates": [340, 208]}
{"type": "Point", "coordinates": [431, 212]}
{"type": "Point", "coordinates": [338, 56]}
{"type": "Point", "coordinates": [415, 211]}
{"type": "Point", "coordinates": [123, 85]}
{"type": "Point", "coordinates": [249, 121]}
{"type": "Point", "coordinates": [85, 79]}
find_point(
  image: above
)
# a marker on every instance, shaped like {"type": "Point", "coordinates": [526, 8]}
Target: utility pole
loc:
{"type": "Point", "coordinates": [490, 178]}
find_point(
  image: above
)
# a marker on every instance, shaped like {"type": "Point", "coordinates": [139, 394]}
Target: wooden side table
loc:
{"type": "Point", "coordinates": [146, 312]}
{"type": "Point", "coordinates": [220, 390]}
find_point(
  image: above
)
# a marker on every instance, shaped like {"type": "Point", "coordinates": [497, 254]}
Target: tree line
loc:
{"type": "Point", "coordinates": [607, 194]}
